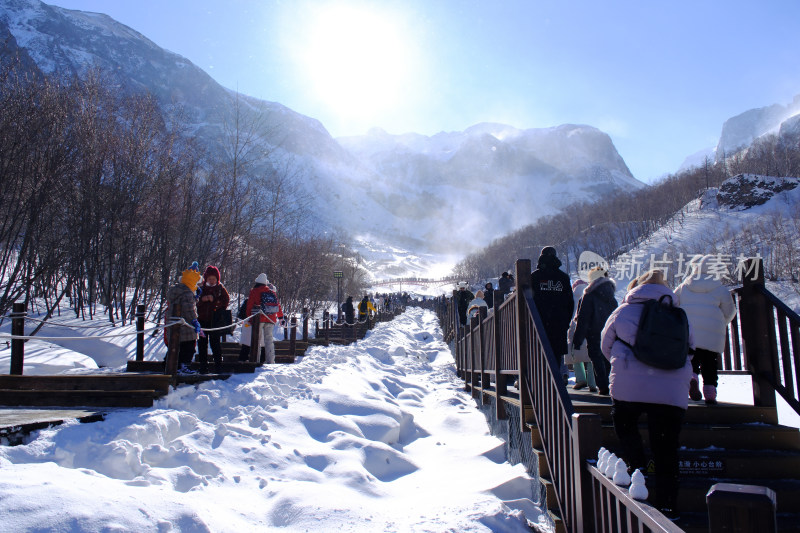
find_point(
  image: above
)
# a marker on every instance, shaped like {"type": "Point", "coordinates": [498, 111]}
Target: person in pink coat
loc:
{"type": "Point", "coordinates": [709, 306]}
{"type": "Point", "coordinates": [638, 388]}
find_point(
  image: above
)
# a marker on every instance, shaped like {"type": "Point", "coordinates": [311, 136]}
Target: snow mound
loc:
{"type": "Point", "coordinates": [375, 436]}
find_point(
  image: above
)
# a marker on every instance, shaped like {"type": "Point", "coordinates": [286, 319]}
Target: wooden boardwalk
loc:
{"type": "Point", "coordinates": [17, 422]}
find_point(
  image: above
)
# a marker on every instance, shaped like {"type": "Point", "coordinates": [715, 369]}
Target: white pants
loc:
{"type": "Point", "coordinates": [265, 339]}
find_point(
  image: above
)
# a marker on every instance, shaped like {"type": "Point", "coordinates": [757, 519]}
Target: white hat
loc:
{"type": "Point", "coordinates": [597, 273]}
{"type": "Point", "coordinates": [462, 284]}
{"type": "Point", "coordinates": [262, 279]}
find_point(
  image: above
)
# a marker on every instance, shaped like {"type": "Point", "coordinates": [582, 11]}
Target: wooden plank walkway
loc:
{"type": "Point", "coordinates": [17, 422]}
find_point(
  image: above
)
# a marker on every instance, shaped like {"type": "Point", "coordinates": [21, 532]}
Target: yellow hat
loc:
{"type": "Point", "coordinates": [191, 276]}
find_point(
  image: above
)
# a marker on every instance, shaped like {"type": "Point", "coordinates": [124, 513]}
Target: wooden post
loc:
{"type": "Point", "coordinates": [758, 326]}
{"type": "Point", "coordinates": [174, 336]}
{"type": "Point", "coordinates": [500, 386]}
{"type": "Point", "coordinates": [293, 336]}
{"type": "Point", "coordinates": [255, 334]}
{"type": "Point", "coordinates": [741, 508]}
{"type": "Point", "coordinates": [522, 279]}
{"type": "Point", "coordinates": [316, 328]}
{"type": "Point", "coordinates": [17, 345]}
{"type": "Point", "coordinates": [305, 323]}
{"type": "Point", "coordinates": [140, 311]}
{"type": "Point", "coordinates": [586, 429]}
{"type": "Point", "coordinates": [483, 377]}
{"type": "Point", "coordinates": [326, 322]}
{"type": "Point", "coordinates": [474, 358]}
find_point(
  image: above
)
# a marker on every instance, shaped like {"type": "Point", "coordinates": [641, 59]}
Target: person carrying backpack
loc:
{"type": "Point", "coordinates": [637, 387]}
{"type": "Point", "coordinates": [364, 307]}
{"type": "Point", "coordinates": [709, 306]}
{"type": "Point", "coordinates": [263, 298]}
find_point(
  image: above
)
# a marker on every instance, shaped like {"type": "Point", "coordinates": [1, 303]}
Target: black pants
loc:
{"type": "Point", "coordinates": [202, 348]}
{"type": "Point", "coordinates": [664, 428]}
{"type": "Point", "coordinates": [186, 352]}
{"type": "Point", "coordinates": [704, 363]}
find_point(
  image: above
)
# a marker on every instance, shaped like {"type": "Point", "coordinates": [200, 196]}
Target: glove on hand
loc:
{"type": "Point", "coordinates": [197, 328]}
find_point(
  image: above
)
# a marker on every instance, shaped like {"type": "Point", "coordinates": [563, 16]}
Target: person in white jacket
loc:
{"type": "Point", "coordinates": [709, 307]}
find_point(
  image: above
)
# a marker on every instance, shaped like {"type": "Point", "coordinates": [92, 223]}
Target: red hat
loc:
{"type": "Point", "coordinates": [211, 270]}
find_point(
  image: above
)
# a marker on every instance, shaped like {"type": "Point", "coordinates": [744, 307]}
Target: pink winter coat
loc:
{"type": "Point", "coordinates": [634, 381]}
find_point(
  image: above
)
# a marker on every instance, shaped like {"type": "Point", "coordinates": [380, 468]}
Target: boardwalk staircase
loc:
{"type": "Point", "coordinates": [739, 468]}
{"type": "Point", "coordinates": [108, 390]}
{"type": "Point", "coordinates": [724, 443]}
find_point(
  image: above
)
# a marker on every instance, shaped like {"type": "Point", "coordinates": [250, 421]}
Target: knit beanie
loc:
{"type": "Point", "coordinates": [262, 279]}
{"type": "Point", "coordinates": [211, 270]}
{"type": "Point", "coordinates": [191, 276]}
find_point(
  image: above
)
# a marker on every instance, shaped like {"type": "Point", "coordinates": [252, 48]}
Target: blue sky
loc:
{"type": "Point", "coordinates": [659, 77]}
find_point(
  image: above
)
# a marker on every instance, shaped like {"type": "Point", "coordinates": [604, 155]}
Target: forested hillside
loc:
{"type": "Point", "coordinates": [618, 222]}
{"type": "Point", "coordinates": [105, 198]}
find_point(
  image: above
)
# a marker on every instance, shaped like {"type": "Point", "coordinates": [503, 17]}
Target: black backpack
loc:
{"type": "Point", "coordinates": [662, 338]}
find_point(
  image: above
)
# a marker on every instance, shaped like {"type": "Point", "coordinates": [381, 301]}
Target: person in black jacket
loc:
{"type": "Point", "coordinates": [488, 295]}
{"type": "Point", "coordinates": [504, 284]}
{"type": "Point", "coordinates": [552, 294]}
{"type": "Point", "coordinates": [597, 304]}
{"type": "Point", "coordinates": [349, 310]}
{"type": "Point", "coordinates": [464, 298]}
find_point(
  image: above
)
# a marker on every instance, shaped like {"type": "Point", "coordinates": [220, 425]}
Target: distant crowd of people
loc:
{"type": "Point", "coordinates": [372, 304]}
{"type": "Point", "coordinates": [647, 352]}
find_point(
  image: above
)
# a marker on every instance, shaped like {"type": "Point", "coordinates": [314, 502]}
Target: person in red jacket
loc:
{"type": "Point", "coordinates": [213, 299]}
{"type": "Point", "coordinates": [264, 298]}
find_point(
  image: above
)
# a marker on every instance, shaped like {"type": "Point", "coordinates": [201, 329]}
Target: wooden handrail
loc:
{"type": "Point", "coordinates": [616, 512]}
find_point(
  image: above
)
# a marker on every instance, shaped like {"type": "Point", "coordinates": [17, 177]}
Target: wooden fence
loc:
{"type": "Point", "coordinates": [504, 355]}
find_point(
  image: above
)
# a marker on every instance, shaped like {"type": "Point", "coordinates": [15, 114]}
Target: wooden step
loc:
{"type": "Point", "coordinates": [234, 367]}
{"type": "Point", "coordinates": [698, 412]}
{"type": "Point", "coordinates": [732, 436]}
{"type": "Point", "coordinates": [75, 398]}
{"type": "Point", "coordinates": [115, 382]}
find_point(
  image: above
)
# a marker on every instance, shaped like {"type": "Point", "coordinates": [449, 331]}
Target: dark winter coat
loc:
{"type": "Point", "coordinates": [504, 286]}
{"type": "Point", "coordinates": [464, 298]}
{"type": "Point", "coordinates": [597, 304]}
{"type": "Point", "coordinates": [180, 294]}
{"type": "Point", "coordinates": [552, 294]}
{"type": "Point", "coordinates": [488, 295]}
{"type": "Point", "coordinates": [206, 310]}
{"type": "Point", "coordinates": [349, 311]}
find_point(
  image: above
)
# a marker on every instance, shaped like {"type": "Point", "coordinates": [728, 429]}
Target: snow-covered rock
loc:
{"type": "Point", "coordinates": [749, 190]}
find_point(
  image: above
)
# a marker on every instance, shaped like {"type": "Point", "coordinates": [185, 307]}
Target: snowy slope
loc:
{"type": "Point", "coordinates": [376, 436]}
{"type": "Point", "coordinates": [710, 224]}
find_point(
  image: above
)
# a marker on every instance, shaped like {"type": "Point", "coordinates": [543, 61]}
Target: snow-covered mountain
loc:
{"type": "Point", "coordinates": [491, 178]}
{"type": "Point", "coordinates": [449, 193]}
{"type": "Point", "coordinates": [741, 131]}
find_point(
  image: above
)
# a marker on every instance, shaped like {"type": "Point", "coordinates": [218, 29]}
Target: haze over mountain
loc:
{"type": "Point", "coordinates": [742, 130]}
{"type": "Point", "coordinates": [409, 194]}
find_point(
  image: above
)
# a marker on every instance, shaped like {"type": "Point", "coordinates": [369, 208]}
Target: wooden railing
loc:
{"type": "Point", "coordinates": [509, 342]}
{"type": "Point", "coordinates": [611, 517]}
{"type": "Point", "coordinates": [764, 341]}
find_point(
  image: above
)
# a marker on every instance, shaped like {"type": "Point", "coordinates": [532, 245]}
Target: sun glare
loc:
{"type": "Point", "coordinates": [358, 60]}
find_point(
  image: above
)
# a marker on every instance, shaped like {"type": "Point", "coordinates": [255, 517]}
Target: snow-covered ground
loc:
{"type": "Point", "coordinates": [376, 436]}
